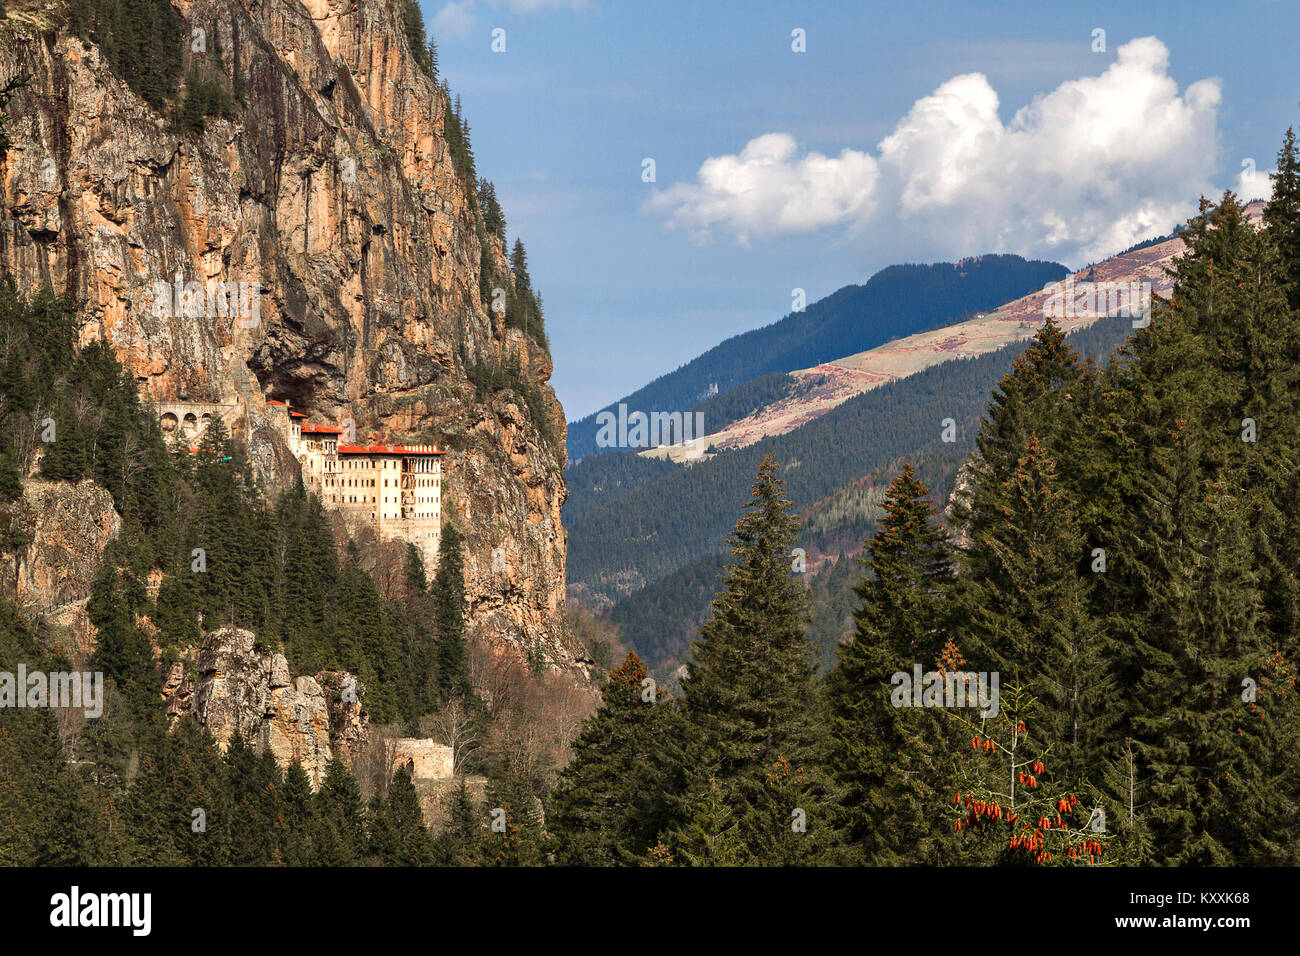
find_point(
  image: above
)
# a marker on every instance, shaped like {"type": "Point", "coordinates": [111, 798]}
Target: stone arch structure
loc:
{"type": "Point", "coordinates": [188, 421]}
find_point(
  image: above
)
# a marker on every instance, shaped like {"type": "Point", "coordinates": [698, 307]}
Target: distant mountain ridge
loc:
{"type": "Point", "coordinates": [647, 534]}
{"type": "Point", "coordinates": [812, 392]}
{"type": "Point", "coordinates": [897, 301]}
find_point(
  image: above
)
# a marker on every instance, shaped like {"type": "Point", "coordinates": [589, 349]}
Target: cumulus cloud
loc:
{"type": "Point", "coordinates": [1091, 167]}
{"type": "Point", "coordinates": [767, 191]}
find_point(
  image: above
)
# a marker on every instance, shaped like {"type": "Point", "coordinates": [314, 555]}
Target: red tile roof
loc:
{"type": "Point", "coordinates": [387, 450]}
{"type": "Point", "coordinates": [310, 428]}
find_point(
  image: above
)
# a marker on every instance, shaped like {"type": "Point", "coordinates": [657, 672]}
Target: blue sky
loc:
{"type": "Point", "coordinates": [894, 137]}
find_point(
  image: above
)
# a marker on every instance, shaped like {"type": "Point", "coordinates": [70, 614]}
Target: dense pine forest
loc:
{"type": "Point", "coordinates": [202, 546]}
{"type": "Point", "coordinates": [655, 518]}
{"type": "Point", "coordinates": [1127, 565]}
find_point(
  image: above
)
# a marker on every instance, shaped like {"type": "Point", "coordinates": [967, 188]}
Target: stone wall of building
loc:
{"type": "Point", "coordinates": [426, 759]}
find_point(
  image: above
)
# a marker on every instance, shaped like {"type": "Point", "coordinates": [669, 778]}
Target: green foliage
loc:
{"type": "Point", "coordinates": [657, 520]}
{"type": "Point", "coordinates": [425, 53]}
{"type": "Point", "coordinates": [662, 618]}
{"type": "Point", "coordinates": [6, 94]}
{"type": "Point", "coordinates": [141, 39]}
{"type": "Point", "coordinates": [494, 220]}
{"type": "Point", "coordinates": [204, 97]}
{"type": "Point", "coordinates": [456, 132]}
{"type": "Point", "coordinates": [398, 835]}
{"type": "Point", "coordinates": [488, 379]}
{"type": "Point", "coordinates": [1282, 215]}
{"type": "Point", "coordinates": [611, 801]}
{"type": "Point", "coordinates": [738, 403]}
{"type": "Point", "coordinates": [74, 414]}
{"type": "Point", "coordinates": [523, 305]}
{"type": "Point", "coordinates": [751, 701]}
{"type": "Point", "coordinates": [449, 615]}
{"type": "Point", "coordinates": [339, 826]}
{"type": "Point", "coordinates": [461, 841]}
{"type": "Point", "coordinates": [1127, 565]}
{"type": "Point", "coordinates": [884, 756]}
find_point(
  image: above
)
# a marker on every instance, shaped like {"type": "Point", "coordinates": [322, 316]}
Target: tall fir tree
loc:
{"type": "Point", "coordinates": [1282, 215]}
{"type": "Point", "coordinates": [449, 615]}
{"type": "Point", "coordinates": [610, 804]}
{"type": "Point", "coordinates": [886, 759]}
{"type": "Point", "coordinates": [1023, 610]}
{"type": "Point", "coordinates": [750, 697]}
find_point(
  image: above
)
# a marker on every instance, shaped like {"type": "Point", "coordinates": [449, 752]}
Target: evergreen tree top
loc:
{"type": "Point", "coordinates": [630, 673]}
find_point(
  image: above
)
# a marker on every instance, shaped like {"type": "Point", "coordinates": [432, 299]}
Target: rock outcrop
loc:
{"type": "Point", "coordinates": [241, 689]}
{"type": "Point", "coordinates": [59, 531]}
{"type": "Point", "coordinates": [333, 192]}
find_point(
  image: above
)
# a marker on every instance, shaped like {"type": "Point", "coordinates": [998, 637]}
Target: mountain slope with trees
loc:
{"type": "Point", "coordinates": [895, 302]}
{"type": "Point", "coordinates": [1122, 556]}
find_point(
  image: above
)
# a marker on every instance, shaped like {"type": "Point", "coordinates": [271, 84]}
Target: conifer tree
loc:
{"type": "Point", "coordinates": [398, 835]}
{"type": "Point", "coordinates": [1192, 585]}
{"type": "Point", "coordinates": [298, 812]}
{"type": "Point", "coordinates": [121, 651]}
{"type": "Point", "coordinates": [462, 839]}
{"type": "Point", "coordinates": [254, 787]}
{"type": "Point", "coordinates": [514, 836]}
{"type": "Point", "coordinates": [1043, 395]}
{"type": "Point", "coordinates": [750, 697]}
{"type": "Point", "coordinates": [433, 59]}
{"type": "Point", "coordinates": [1024, 612]}
{"type": "Point", "coordinates": [340, 821]}
{"type": "Point", "coordinates": [884, 757]}
{"type": "Point", "coordinates": [448, 591]}
{"type": "Point", "coordinates": [609, 806]}
{"type": "Point", "coordinates": [710, 835]}
{"type": "Point", "coordinates": [1282, 215]}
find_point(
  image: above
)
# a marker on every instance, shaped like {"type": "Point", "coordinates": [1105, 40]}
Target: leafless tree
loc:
{"type": "Point", "coordinates": [454, 726]}
{"type": "Point", "coordinates": [390, 569]}
{"type": "Point", "coordinates": [374, 763]}
{"type": "Point", "coordinates": [565, 706]}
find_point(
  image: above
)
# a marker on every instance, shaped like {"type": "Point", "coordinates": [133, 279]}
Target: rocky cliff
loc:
{"type": "Point", "coordinates": [331, 192]}
{"type": "Point", "coordinates": [234, 687]}
{"type": "Point", "coordinates": [58, 531]}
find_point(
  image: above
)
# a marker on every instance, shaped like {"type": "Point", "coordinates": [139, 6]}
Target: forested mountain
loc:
{"type": "Point", "coordinates": [1034, 607]}
{"type": "Point", "coordinates": [658, 620]}
{"type": "Point", "coordinates": [680, 515]}
{"type": "Point", "coordinates": [1126, 565]}
{"type": "Point", "coordinates": [895, 302]}
{"type": "Point", "coordinates": [279, 568]}
{"type": "Point", "coordinates": [838, 518]}
{"type": "Point", "coordinates": [144, 144]}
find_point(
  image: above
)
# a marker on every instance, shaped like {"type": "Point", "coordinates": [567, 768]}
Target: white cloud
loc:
{"type": "Point", "coordinates": [458, 17]}
{"type": "Point", "coordinates": [766, 191]}
{"type": "Point", "coordinates": [1091, 167]}
{"type": "Point", "coordinates": [1253, 183]}
{"type": "Point", "coordinates": [454, 19]}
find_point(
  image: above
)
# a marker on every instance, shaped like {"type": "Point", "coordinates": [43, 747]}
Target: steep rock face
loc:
{"type": "Point", "coordinates": [242, 689]}
{"type": "Point", "coordinates": [61, 529]}
{"type": "Point", "coordinates": [332, 191]}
